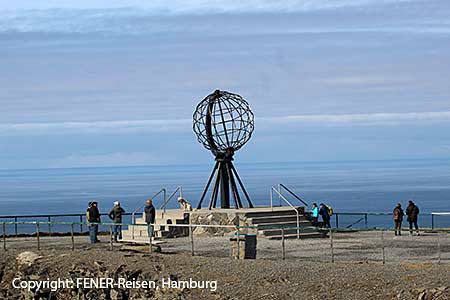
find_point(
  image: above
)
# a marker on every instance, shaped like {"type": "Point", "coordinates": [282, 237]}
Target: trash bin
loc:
{"type": "Point", "coordinates": [243, 246]}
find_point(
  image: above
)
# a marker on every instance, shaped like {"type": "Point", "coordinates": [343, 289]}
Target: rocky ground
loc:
{"type": "Point", "coordinates": [357, 273]}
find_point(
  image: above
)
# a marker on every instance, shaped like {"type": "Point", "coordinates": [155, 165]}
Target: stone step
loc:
{"type": "Point", "coordinates": [303, 223]}
{"type": "Point", "coordinates": [272, 232]}
{"type": "Point", "coordinates": [294, 236]}
{"type": "Point", "coordinates": [275, 219]}
{"type": "Point", "coordinates": [276, 212]}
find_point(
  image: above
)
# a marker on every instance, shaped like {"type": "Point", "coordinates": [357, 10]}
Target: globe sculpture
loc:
{"type": "Point", "coordinates": [223, 123]}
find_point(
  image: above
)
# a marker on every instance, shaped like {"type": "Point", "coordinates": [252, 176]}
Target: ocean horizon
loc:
{"type": "Point", "coordinates": [349, 186]}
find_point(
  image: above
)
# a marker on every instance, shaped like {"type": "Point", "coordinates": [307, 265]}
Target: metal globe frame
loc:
{"type": "Point", "coordinates": [224, 123]}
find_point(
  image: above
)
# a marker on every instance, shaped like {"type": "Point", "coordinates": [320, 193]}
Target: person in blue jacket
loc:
{"type": "Point", "coordinates": [314, 213]}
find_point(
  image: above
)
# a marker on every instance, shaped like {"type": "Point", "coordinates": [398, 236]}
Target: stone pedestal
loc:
{"type": "Point", "coordinates": [243, 246]}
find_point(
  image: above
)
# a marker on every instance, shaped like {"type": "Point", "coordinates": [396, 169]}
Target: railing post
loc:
{"type": "Point", "coordinates": [15, 226]}
{"type": "Point", "coordinates": [439, 246]}
{"type": "Point", "coordinates": [432, 221]}
{"type": "Point", "coordinates": [191, 236]}
{"type": "Point", "coordinates": [150, 237]}
{"type": "Point", "coordinates": [4, 235]}
{"type": "Point", "coordinates": [271, 198]}
{"type": "Point", "coordinates": [72, 236]}
{"type": "Point", "coordinates": [337, 220]}
{"type": "Point", "coordinates": [331, 245]}
{"type": "Point", "coordinates": [365, 219]}
{"type": "Point", "coordinates": [298, 225]}
{"type": "Point", "coordinates": [282, 244]}
{"type": "Point", "coordinates": [279, 194]}
{"type": "Point", "coordinates": [382, 246]}
{"type": "Point", "coordinates": [110, 237]}
{"type": "Point", "coordinates": [49, 225]}
{"type": "Point", "coordinates": [37, 236]}
{"type": "Point", "coordinates": [81, 223]}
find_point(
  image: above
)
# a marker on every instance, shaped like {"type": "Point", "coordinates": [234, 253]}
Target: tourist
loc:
{"type": "Point", "coordinates": [412, 211]}
{"type": "Point", "coordinates": [150, 214]}
{"type": "Point", "coordinates": [184, 204]}
{"type": "Point", "coordinates": [314, 213]}
{"type": "Point", "coordinates": [398, 218]}
{"type": "Point", "coordinates": [115, 214]}
{"type": "Point", "coordinates": [325, 213]}
{"type": "Point", "coordinates": [93, 218]}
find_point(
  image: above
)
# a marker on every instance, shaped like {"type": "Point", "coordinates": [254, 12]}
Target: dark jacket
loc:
{"type": "Point", "coordinates": [116, 213]}
{"type": "Point", "coordinates": [150, 213]}
{"type": "Point", "coordinates": [93, 215]}
{"type": "Point", "coordinates": [323, 211]}
{"type": "Point", "coordinates": [412, 211]}
{"type": "Point", "coordinates": [398, 214]}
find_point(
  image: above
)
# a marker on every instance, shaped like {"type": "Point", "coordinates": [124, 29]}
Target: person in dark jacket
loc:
{"type": "Point", "coordinates": [93, 218]}
{"type": "Point", "coordinates": [398, 218]}
{"type": "Point", "coordinates": [412, 211]}
{"type": "Point", "coordinates": [325, 213]}
{"type": "Point", "coordinates": [150, 214]}
{"type": "Point", "coordinates": [115, 214]}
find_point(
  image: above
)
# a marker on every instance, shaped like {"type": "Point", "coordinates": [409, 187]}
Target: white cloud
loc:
{"type": "Point", "coordinates": [185, 125]}
{"type": "Point", "coordinates": [373, 119]}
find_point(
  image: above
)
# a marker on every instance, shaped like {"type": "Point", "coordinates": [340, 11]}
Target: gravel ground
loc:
{"type": "Point", "coordinates": [411, 271]}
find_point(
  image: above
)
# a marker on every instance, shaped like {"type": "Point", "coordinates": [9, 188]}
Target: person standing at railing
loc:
{"type": "Point", "coordinates": [314, 213]}
{"type": "Point", "coordinates": [93, 218]}
{"type": "Point", "coordinates": [398, 218]}
{"type": "Point", "coordinates": [412, 211]}
{"type": "Point", "coordinates": [325, 213]}
{"type": "Point", "coordinates": [150, 214]}
{"type": "Point", "coordinates": [115, 214]}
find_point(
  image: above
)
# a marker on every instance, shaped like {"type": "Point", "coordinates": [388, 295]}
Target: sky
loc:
{"type": "Point", "coordinates": [115, 83]}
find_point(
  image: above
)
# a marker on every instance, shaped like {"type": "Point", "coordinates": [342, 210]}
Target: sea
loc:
{"type": "Point", "coordinates": [348, 186]}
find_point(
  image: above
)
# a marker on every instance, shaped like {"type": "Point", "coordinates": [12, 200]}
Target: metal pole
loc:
{"type": "Point", "coordinates": [432, 221]}
{"type": "Point", "coordinates": [271, 198]}
{"type": "Point", "coordinates": [37, 236]}
{"type": "Point", "coordinates": [150, 239]}
{"type": "Point", "coordinates": [4, 235]}
{"type": "Point", "coordinates": [72, 237]}
{"type": "Point", "coordinates": [81, 223]}
{"type": "Point", "coordinates": [279, 195]}
{"type": "Point", "coordinates": [15, 226]}
{"type": "Point", "coordinates": [331, 245]}
{"type": "Point", "coordinates": [439, 246]}
{"type": "Point", "coordinates": [337, 221]}
{"type": "Point", "coordinates": [191, 236]}
{"type": "Point", "coordinates": [110, 238]}
{"type": "Point", "coordinates": [382, 246]}
{"type": "Point", "coordinates": [49, 225]}
{"type": "Point", "coordinates": [282, 243]}
{"type": "Point", "coordinates": [365, 219]}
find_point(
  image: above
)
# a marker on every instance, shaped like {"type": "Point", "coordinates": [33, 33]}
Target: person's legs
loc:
{"type": "Point", "coordinates": [410, 227]}
{"type": "Point", "coordinates": [92, 234]}
{"type": "Point", "coordinates": [416, 227]}
{"type": "Point", "coordinates": [95, 232]}
{"type": "Point", "coordinates": [115, 233]}
{"type": "Point", "coordinates": [150, 230]}
{"type": "Point", "coordinates": [119, 231]}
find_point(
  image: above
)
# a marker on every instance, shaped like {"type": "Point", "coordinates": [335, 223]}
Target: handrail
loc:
{"type": "Point", "coordinates": [166, 201]}
{"type": "Point", "coordinates": [273, 189]}
{"type": "Point", "coordinates": [293, 194]}
{"type": "Point", "coordinates": [133, 215]}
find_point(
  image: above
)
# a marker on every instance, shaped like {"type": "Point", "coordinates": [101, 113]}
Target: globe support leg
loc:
{"type": "Point", "coordinates": [207, 185]}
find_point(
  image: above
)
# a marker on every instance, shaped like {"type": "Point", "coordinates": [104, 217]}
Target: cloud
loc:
{"type": "Point", "coordinates": [185, 125]}
{"type": "Point", "coordinates": [196, 6]}
{"type": "Point", "coordinates": [373, 119]}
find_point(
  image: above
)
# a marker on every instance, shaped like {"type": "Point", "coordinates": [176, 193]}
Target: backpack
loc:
{"type": "Point", "coordinates": [330, 210]}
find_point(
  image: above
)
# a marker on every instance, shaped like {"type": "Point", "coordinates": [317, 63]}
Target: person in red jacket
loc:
{"type": "Point", "coordinates": [398, 218]}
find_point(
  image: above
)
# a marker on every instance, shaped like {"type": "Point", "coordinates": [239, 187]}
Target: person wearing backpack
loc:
{"type": "Point", "coordinates": [412, 211]}
{"type": "Point", "coordinates": [325, 213]}
{"type": "Point", "coordinates": [398, 218]}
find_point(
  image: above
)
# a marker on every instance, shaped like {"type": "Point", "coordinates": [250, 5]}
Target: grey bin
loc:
{"type": "Point", "coordinates": [243, 246]}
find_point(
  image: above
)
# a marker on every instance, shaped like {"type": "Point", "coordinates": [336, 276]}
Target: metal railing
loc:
{"type": "Point", "coordinates": [138, 210]}
{"type": "Point", "coordinates": [280, 186]}
{"type": "Point", "coordinates": [273, 189]}
{"type": "Point", "coordinates": [166, 201]}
